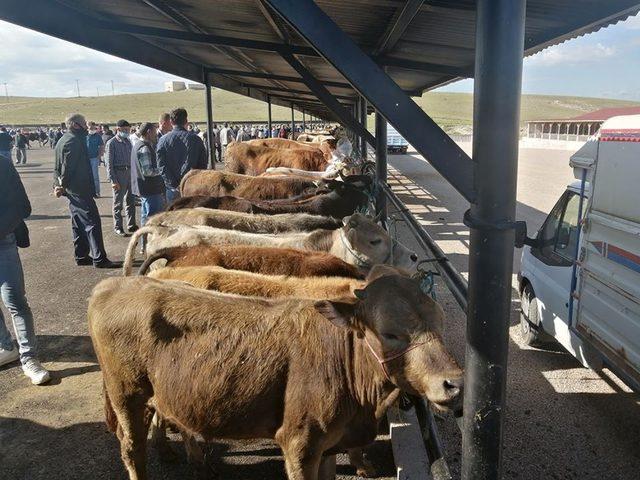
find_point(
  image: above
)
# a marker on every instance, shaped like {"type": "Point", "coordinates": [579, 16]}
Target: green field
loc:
{"type": "Point", "coordinates": [450, 110]}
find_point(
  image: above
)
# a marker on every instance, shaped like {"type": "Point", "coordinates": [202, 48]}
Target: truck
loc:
{"type": "Point", "coordinates": [395, 142]}
{"type": "Point", "coordinates": [579, 278]}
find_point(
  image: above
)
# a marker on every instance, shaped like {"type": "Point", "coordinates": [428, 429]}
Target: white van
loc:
{"type": "Point", "coordinates": [581, 286]}
{"type": "Point", "coordinates": [396, 143]}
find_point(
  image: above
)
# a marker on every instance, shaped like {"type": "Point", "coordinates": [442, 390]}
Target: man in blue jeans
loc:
{"type": "Point", "coordinates": [95, 145]}
{"type": "Point", "coordinates": [6, 143]}
{"type": "Point", "coordinates": [14, 208]}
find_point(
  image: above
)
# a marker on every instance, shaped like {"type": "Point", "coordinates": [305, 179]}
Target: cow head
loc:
{"type": "Point", "coordinates": [401, 329]}
{"type": "Point", "coordinates": [370, 244]}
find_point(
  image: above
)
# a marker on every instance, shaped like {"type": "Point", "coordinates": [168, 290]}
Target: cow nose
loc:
{"type": "Point", "coordinates": [413, 257]}
{"type": "Point", "coordinates": [453, 386]}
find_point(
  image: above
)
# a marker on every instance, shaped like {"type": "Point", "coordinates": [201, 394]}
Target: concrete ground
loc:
{"type": "Point", "coordinates": [563, 421]}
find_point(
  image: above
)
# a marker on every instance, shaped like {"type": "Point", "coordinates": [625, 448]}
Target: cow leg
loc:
{"type": "Point", "coordinates": [364, 468]}
{"type": "Point", "coordinates": [160, 441]}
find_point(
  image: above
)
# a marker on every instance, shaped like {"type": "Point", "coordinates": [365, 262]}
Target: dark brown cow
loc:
{"type": "Point", "coordinates": [316, 376]}
{"type": "Point", "coordinates": [219, 184]}
{"type": "Point", "coordinates": [266, 260]}
{"type": "Point", "coordinates": [254, 160]}
{"type": "Point", "coordinates": [340, 202]}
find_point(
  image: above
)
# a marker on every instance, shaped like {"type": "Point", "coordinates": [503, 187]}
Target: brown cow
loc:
{"type": "Point", "coordinates": [250, 160]}
{"type": "Point", "coordinates": [219, 184]}
{"type": "Point", "coordinates": [259, 285]}
{"type": "Point", "coordinates": [327, 147]}
{"type": "Point", "coordinates": [267, 260]}
{"type": "Point", "coordinates": [315, 376]}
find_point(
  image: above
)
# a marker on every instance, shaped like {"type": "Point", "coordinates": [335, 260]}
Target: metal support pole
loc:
{"type": "Point", "coordinates": [293, 122]}
{"type": "Point", "coordinates": [498, 79]}
{"type": "Point", "coordinates": [269, 114]}
{"type": "Point", "coordinates": [210, 139]}
{"type": "Point", "coordinates": [363, 121]}
{"type": "Point", "coordinates": [304, 121]}
{"type": "Point", "coordinates": [381, 165]}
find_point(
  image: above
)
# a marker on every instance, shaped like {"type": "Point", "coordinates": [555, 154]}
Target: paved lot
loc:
{"type": "Point", "coordinates": [563, 421]}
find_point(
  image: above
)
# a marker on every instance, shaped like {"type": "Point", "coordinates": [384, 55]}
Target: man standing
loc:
{"type": "Point", "coordinates": [178, 152]}
{"type": "Point", "coordinates": [95, 146]}
{"type": "Point", "coordinates": [147, 182]}
{"type": "Point", "coordinates": [118, 161]}
{"type": "Point", "coordinates": [6, 142]}
{"type": "Point", "coordinates": [52, 138]}
{"type": "Point", "coordinates": [72, 178]}
{"type": "Point", "coordinates": [226, 137]}
{"type": "Point", "coordinates": [164, 124]}
{"type": "Point", "coordinates": [21, 147]}
{"type": "Point", "coordinates": [215, 135]}
{"type": "Point", "coordinates": [14, 208]}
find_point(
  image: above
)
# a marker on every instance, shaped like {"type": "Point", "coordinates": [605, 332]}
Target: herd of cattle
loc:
{"type": "Point", "coordinates": [268, 307]}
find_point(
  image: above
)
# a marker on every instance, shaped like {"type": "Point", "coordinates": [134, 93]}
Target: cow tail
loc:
{"type": "Point", "coordinates": [131, 248]}
{"type": "Point", "coordinates": [184, 180]}
{"type": "Point", "coordinates": [144, 268]}
{"type": "Point", "coordinates": [110, 417]}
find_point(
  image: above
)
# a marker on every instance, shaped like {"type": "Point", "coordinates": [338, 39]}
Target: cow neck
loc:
{"type": "Point", "coordinates": [371, 387]}
{"type": "Point", "coordinates": [321, 240]}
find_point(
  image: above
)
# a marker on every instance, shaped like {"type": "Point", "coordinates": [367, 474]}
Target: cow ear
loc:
{"type": "Point", "coordinates": [341, 314]}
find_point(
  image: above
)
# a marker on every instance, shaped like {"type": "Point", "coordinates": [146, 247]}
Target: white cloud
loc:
{"type": "Point", "coordinates": [571, 54]}
{"type": "Point", "coordinates": [632, 23]}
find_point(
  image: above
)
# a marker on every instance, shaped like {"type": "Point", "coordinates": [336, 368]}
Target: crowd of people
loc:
{"type": "Point", "coordinates": [144, 163]}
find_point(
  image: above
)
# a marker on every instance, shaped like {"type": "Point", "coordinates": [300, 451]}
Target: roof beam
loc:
{"type": "Point", "coordinates": [291, 90]}
{"type": "Point", "coordinates": [397, 27]}
{"type": "Point", "coordinates": [266, 12]}
{"type": "Point", "coordinates": [465, 72]}
{"type": "Point", "coordinates": [438, 148]}
{"type": "Point", "coordinates": [270, 76]}
{"type": "Point", "coordinates": [329, 100]}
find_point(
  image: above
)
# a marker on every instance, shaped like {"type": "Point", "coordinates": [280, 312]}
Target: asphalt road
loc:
{"type": "Point", "coordinates": [562, 421]}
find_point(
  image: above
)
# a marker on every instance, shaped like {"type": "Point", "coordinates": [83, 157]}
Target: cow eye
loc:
{"type": "Point", "coordinates": [376, 242]}
{"type": "Point", "coordinates": [390, 336]}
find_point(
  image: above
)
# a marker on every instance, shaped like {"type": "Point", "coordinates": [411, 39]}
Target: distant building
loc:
{"type": "Point", "coordinates": [174, 86]}
{"type": "Point", "coordinates": [195, 86]}
{"type": "Point", "coordinates": [578, 128]}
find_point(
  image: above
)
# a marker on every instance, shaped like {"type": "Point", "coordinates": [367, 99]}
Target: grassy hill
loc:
{"type": "Point", "coordinates": [448, 109]}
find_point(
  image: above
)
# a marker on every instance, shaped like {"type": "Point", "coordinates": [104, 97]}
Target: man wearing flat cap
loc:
{"type": "Point", "coordinates": [118, 162]}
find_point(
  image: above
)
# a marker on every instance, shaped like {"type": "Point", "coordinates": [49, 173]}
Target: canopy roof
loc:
{"type": "Point", "coordinates": [239, 44]}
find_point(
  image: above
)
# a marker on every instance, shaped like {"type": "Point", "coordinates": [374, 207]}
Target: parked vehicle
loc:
{"type": "Point", "coordinates": [395, 142]}
{"type": "Point", "coordinates": [580, 278]}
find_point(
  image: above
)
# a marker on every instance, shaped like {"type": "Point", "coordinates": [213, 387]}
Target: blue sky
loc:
{"type": "Point", "coordinates": [602, 64]}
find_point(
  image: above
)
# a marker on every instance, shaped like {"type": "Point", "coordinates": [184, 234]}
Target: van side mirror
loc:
{"type": "Point", "coordinates": [521, 236]}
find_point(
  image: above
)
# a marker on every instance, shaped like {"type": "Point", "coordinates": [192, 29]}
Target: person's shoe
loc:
{"type": "Point", "coordinates": [107, 264]}
{"type": "Point", "coordinates": [84, 261]}
{"type": "Point", "coordinates": [120, 232]}
{"type": "Point", "coordinates": [133, 229]}
{"type": "Point", "coordinates": [8, 356]}
{"type": "Point", "coordinates": [36, 372]}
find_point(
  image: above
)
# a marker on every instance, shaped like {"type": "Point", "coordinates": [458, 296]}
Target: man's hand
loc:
{"type": "Point", "coordinates": [58, 191]}
{"type": "Point", "coordinates": [115, 186]}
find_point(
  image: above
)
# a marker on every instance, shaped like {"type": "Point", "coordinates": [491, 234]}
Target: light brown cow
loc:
{"type": "Point", "coordinates": [258, 285]}
{"type": "Point", "coordinates": [327, 147]}
{"type": "Point", "coordinates": [219, 184]}
{"type": "Point", "coordinates": [251, 160]}
{"type": "Point", "coordinates": [315, 376]}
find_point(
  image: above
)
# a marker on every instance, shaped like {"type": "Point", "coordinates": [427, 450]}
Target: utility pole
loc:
{"type": "Point", "coordinates": [113, 92]}
{"type": "Point", "coordinates": [78, 87]}
{"type": "Point", "coordinates": [97, 92]}
{"type": "Point", "coordinates": [6, 92]}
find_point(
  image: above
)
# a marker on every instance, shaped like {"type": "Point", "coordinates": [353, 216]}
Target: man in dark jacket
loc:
{"type": "Point", "coordinates": [178, 152]}
{"type": "Point", "coordinates": [73, 178]}
{"type": "Point", "coordinates": [14, 208]}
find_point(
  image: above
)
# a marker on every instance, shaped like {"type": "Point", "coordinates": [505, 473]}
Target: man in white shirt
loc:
{"type": "Point", "coordinates": [226, 137]}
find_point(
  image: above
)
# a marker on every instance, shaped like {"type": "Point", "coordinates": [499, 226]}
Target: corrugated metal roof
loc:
{"type": "Point", "coordinates": [435, 47]}
{"type": "Point", "coordinates": [606, 113]}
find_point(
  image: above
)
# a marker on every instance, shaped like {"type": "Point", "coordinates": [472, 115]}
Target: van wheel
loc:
{"type": "Point", "coordinates": [530, 326]}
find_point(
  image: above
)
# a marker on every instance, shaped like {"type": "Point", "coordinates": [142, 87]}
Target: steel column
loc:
{"type": "Point", "coordinates": [293, 122]}
{"type": "Point", "coordinates": [304, 121]}
{"type": "Point", "coordinates": [363, 121]}
{"type": "Point", "coordinates": [269, 114]}
{"type": "Point", "coordinates": [312, 23]}
{"type": "Point", "coordinates": [208, 100]}
{"type": "Point", "coordinates": [498, 77]}
{"type": "Point", "coordinates": [381, 165]}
